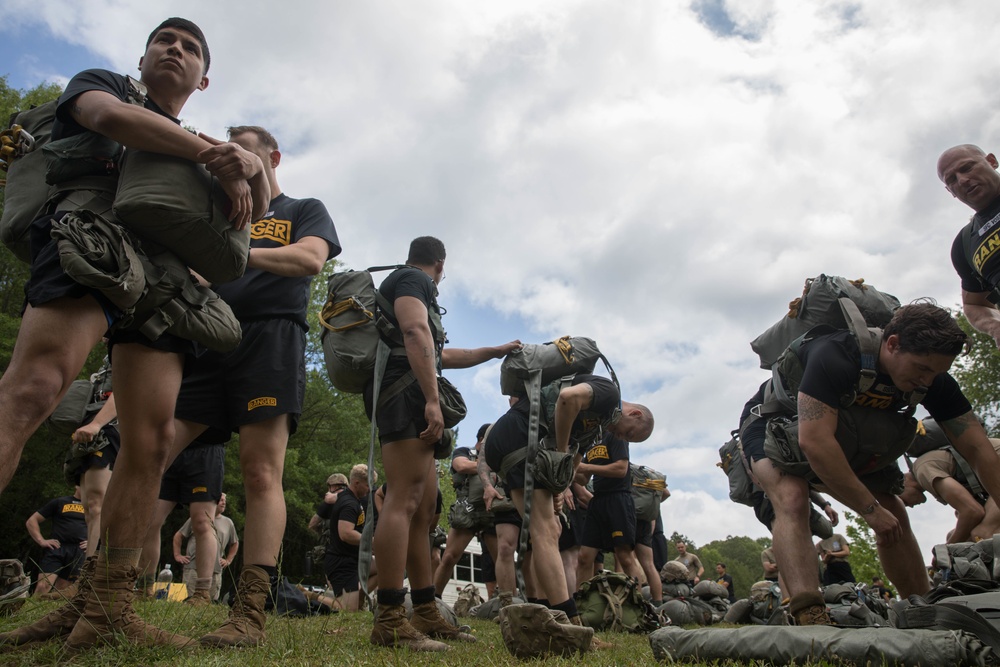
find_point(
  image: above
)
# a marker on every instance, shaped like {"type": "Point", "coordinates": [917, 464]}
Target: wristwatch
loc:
{"type": "Point", "coordinates": [871, 508]}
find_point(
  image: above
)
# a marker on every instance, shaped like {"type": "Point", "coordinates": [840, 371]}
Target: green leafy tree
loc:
{"type": "Point", "coordinates": [979, 375]}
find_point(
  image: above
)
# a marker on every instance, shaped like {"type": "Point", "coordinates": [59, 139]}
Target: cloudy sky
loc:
{"type": "Point", "coordinates": [659, 176]}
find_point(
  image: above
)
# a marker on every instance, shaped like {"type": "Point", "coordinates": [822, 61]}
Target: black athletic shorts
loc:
{"type": "Point", "coordinates": [64, 562]}
{"type": "Point", "coordinates": [509, 434]}
{"type": "Point", "coordinates": [487, 565]}
{"type": "Point", "coordinates": [511, 518]}
{"type": "Point", "coordinates": [644, 533]}
{"type": "Point", "coordinates": [195, 476]}
{"type": "Point", "coordinates": [265, 377]}
{"type": "Point", "coordinates": [342, 573]}
{"type": "Point", "coordinates": [568, 537]}
{"type": "Point", "coordinates": [610, 521]}
{"type": "Point", "coordinates": [102, 458]}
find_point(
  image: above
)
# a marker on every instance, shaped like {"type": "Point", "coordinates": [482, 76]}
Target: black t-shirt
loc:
{"type": "Point", "coordinates": [68, 523]}
{"type": "Point", "coordinates": [408, 281]}
{"type": "Point", "coordinates": [603, 406]}
{"type": "Point", "coordinates": [610, 449]}
{"type": "Point", "coordinates": [347, 508]}
{"type": "Point", "coordinates": [831, 365]}
{"type": "Point", "coordinates": [460, 452]}
{"type": "Point", "coordinates": [259, 294]}
{"type": "Point", "coordinates": [728, 579]}
{"type": "Point", "coordinates": [92, 79]}
{"type": "Point", "coordinates": [982, 273]}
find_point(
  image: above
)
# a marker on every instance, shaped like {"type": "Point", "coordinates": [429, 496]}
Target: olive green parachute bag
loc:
{"type": "Point", "coordinates": [613, 601]}
{"type": "Point", "coordinates": [177, 204]}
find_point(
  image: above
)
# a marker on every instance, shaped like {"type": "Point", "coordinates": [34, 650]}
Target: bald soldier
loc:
{"type": "Point", "coordinates": [970, 175]}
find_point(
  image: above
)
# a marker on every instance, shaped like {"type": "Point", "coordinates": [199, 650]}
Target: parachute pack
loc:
{"type": "Point", "coordinates": [66, 174]}
{"type": "Point", "coordinates": [648, 486]}
{"type": "Point", "coordinates": [468, 598]}
{"type": "Point", "coordinates": [819, 304]}
{"type": "Point", "coordinates": [613, 601]}
{"type": "Point", "coordinates": [527, 371]}
{"type": "Point", "coordinates": [351, 326]}
{"type": "Point", "coordinates": [84, 399]}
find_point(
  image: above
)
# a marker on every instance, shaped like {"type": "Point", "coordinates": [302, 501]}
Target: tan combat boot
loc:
{"type": "Point", "coordinates": [245, 625]}
{"type": "Point", "coordinates": [809, 609]}
{"type": "Point", "coordinates": [55, 623]}
{"type": "Point", "coordinates": [61, 593]}
{"type": "Point", "coordinates": [393, 630]}
{"type": "Point", "coordinates": [596, 644]}
{"type": "Point", "coordinates": [108, 616]}
{"type": "Point", "coordinates": [200, 598]}
{"type": "Point", "coordinates": [428, 620]}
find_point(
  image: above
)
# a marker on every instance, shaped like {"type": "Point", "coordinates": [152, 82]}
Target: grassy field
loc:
{"type": "Point", "coordinates": [339, 639]}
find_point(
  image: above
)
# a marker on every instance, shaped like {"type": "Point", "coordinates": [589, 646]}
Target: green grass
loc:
{"type": "Point", "coordinates": [339, 639]}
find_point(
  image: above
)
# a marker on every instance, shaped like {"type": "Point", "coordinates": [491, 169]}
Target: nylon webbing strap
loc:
{"type": "Point", "coordinates": [868, 342]}
{"type": "Point", "coordinates": [971, 479]}
{"type": "Point", "coordinates": [534, 389]}
{"type": "Point", "coordinates": [365, 548]}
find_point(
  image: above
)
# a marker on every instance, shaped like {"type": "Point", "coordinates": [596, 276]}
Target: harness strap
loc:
{"type": "Point", "coordinates": [367, 535]}
{"type": "Point", "coordinates": [869, 341]}
{"type": "Point", "coordinates": [971, 479]}
{"type": "Point", "coordinates": [510, 460]}
{"type": "Point", "coordinates": [533, 385]}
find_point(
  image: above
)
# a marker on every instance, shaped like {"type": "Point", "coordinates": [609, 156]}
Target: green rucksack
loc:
{"type": "Point", "coordinates": [353, 318]}
{"type": "Point", "coordinates": [819, 305]}
{"type": "Point", "coordinates": [613, 601]}
{"type": "Point", "coordinates": [647, 491]}
{"type": "Point", "coordinates": [540, 372]}
{"type": "Point", "coordinates": [84, 399]}
{"type": "Point", "coordinates": [68, 174]}
{"type": "Point", "coordinates": [177, 204]}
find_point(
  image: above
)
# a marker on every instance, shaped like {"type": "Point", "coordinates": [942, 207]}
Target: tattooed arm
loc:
{"type": "Point", "coordinates": [490, 492]}
{"type": "Point", "coordinates": [969, 438]}
{"type": "Point", "coordinates": [817, 439]}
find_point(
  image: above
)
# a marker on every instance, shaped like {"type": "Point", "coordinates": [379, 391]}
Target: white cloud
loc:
{"type": "Point", "coordinates": [607, 169]}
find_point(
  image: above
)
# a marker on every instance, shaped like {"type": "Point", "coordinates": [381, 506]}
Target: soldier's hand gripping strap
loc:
{"type": "Point", "coordinates": [175, 303]}
{"type": "Point", "coordinates": [98, 254]}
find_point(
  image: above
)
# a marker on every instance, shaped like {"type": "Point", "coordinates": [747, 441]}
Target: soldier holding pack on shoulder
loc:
{"type": "Point", "coordinates": [148, 362]}
{"type": "Point", "coordinates": [850, 434]}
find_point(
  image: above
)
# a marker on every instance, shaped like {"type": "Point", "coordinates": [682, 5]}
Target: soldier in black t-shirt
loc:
{"type": "Point", "coordinates": [64, 549]}
{"type": "Point", "coordinates": [63, 321]}
{"type": "Point", "coordinates": [410, 427]}
{"type": "Point", "coordinates": [916, 350]}
{"type": "Point", "coordinates": [347, 521]}
{"type": "Point", "coordinates": [610, 523]}
{"type": "Point", "coordinates": [257, 390]}
{"type": "Point", "coordinates": [585, 408]}
{"type": "Point", "coordinates": [970, 175]}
